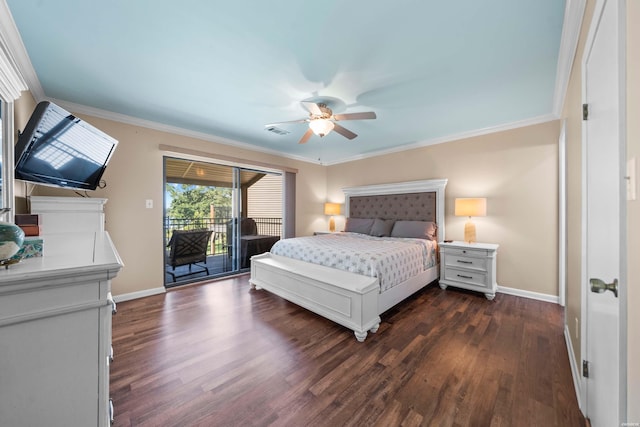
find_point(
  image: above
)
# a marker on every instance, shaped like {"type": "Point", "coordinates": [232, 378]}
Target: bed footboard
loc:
{"type": "Point", "coordinates": [348, 299]}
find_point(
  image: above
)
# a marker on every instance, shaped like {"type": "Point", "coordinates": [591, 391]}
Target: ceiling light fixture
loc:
{"type": "Point", "coordinates": [321, 127]}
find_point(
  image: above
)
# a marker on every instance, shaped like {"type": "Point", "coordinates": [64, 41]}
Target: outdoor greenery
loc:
{"type": "Point", "coordinates": [190, 208]}
{"type": "Point", "coordinates": [194, 201]}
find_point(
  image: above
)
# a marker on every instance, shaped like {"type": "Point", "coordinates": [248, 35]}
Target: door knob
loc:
{"type": "Point", "coordinates": [599, 286]}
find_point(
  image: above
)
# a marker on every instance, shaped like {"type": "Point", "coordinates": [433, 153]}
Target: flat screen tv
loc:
{"type": "Point", "coordinates": [59, 149]}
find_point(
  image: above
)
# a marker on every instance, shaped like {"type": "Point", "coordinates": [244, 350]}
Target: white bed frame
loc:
{"type": "Point", "coordinates": [349, 299]}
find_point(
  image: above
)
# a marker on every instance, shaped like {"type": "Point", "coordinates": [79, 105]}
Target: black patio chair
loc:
{"type": "Point", "coordinates": [188, 247]}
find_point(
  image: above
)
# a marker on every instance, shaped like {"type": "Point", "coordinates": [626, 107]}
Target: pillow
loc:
{"type": "Point", "coordinates": [415, 229]}
{"type": "Point", "coordinates": [382, 227]}
{"type": "Point", "coordinates": [359, 225]}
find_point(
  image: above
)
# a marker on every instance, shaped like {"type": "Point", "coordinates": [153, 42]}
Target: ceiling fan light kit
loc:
{"type": "Point", "coordinates": [321, 127]}
{"type": "Point", "coordinates": [322, 121]}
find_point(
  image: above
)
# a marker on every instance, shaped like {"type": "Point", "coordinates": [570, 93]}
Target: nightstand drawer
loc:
{"type": "Point", "coordinates": [466, 276]}
{"type": "Point", "coordinates": [475, 252]}
{"type": "Point", "coordinates": [460, 261]}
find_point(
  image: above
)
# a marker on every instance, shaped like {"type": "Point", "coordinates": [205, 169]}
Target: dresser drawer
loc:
{"type": "Point", "coordinates": [475, 278]}
{"type": "Point", "coordinates": [463, 261]}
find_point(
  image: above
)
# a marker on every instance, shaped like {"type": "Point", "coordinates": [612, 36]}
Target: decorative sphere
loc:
{"type": "Point", "coordinates": [11, 238]}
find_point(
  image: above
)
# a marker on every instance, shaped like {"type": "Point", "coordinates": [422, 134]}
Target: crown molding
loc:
{"type": "Point", "coordinates": [12, 83]}
{"type": "Point", "coordinates": [11, 36]}
{"type": "Point", "coordinates": [453, 137]}
{"type": "Point", "coordinates": [134, 121]}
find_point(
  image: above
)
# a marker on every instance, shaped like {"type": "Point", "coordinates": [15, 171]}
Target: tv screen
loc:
{"type": "Point", "coordinates": [59, 149]}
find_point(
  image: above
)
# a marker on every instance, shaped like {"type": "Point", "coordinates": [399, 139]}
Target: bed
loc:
{"type": "Point", "coordinates": [321, 279]}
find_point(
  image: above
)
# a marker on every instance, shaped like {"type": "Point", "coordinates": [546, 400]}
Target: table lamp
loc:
{"type": "Point", "coordinates": [470, 207]}
{"type": "Point", "coordinates": [332, 209]}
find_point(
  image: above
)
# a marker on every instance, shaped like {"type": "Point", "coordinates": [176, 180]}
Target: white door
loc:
{"type": "Point", "coordinates": [604, 227]}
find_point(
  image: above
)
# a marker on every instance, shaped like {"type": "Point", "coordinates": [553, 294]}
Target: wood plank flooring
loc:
{"type": "Point", "coordinates": [219, 354]}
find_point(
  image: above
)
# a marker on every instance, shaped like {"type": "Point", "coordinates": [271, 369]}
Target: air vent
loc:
{"type": "Point", "coordinates": [276, 130]}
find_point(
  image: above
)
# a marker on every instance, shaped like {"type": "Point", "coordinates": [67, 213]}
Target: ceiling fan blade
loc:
{"type": "Point", "coordinates": [287, 122]}
{"type": "Point", "coordinates": [343, 131]}
{"type": "Point", "coordinates": [355, 116]}
{"type": "Point", "coordinates": [306, 136]}
{"type": "Point", "coordinates": [312, 107]}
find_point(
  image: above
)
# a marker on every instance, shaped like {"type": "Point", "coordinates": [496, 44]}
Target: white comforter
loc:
{"type": "Point", "coordinates": [392, 260]}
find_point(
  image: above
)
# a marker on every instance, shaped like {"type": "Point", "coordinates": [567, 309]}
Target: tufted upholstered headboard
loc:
{"type": "Point", "coordinates": [413, 201]}
{"type": "Point", "coordinates": [407, 206]}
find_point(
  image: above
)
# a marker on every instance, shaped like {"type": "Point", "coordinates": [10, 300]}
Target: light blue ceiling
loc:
{"type": "Point", "coordinates": [428, 69]}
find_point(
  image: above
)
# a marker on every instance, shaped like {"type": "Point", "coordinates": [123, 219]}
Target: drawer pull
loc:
{"type": "Point", "coordinates": [111, 301]}
{"type": "Point", "coordinates": [464, 277]}
{"type": "Point", "coordinates": [464, 262]}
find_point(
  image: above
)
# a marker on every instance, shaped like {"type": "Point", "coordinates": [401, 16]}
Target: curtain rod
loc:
{"type": "Point", "coordinates": [222, 157]}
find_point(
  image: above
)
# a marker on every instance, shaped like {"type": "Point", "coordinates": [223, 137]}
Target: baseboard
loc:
{"type": "Point", "coordinates": [139, 294]}
{"type": "Point", "coordinates": [529, 294]}
{"type": "Point", "coordinates": [575, 369]}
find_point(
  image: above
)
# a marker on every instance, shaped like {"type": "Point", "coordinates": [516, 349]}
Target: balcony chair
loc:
{"type": "Point", "coordinates": [188, 247]}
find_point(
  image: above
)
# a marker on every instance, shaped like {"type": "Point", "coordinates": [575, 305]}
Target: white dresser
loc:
{"type": "Point", "coordinates": [55, 333]}
{"type": "Point", "coordinates": [62, 214]}
{"type": "Point", "coordinates": [469, 266]}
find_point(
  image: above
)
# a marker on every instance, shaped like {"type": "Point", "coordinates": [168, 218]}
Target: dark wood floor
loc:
{"type": "Point", "coordinates": [221, 355]}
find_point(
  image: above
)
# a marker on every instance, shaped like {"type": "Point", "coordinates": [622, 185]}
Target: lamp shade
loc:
{"type": "Point", "coordinates": [332, 208]}
{"type": "Point", "coordinates": [471, 207]}
{"type": "Point", "coordinates": [321, 127]}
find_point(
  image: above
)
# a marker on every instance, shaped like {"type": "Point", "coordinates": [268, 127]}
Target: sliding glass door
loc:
{"type": "Point", "coordinates": [257, 215]}
{"type": "Point", "coordinates": [217, 217]}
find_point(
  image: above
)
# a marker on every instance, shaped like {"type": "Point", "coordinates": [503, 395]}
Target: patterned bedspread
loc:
{"type": "Point", "coordinates": [393, 260]}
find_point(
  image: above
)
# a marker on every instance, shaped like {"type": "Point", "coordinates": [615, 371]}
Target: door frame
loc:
{"type": "Point", "coordinates": [562, 216]}
{"type": "Point", "coordinates": [622, 291]}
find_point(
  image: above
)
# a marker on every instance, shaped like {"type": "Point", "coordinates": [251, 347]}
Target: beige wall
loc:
{"type": "Point", "coordinates": [517, 170]}
{"type": "Point", "coordinates": [633, 212]}
{"type": "Point", "coordinates": [135, 174]}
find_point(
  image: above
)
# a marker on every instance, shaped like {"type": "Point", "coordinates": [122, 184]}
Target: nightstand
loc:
{"type": "Point", "coordinates": [470, 266]}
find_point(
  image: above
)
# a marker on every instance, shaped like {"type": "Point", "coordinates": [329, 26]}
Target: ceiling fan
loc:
{"type": "Point", "coordinates": [322, 121]}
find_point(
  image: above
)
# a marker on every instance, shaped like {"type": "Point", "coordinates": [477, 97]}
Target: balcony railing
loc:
{"type": "Point", "coordinates": [219, 227]}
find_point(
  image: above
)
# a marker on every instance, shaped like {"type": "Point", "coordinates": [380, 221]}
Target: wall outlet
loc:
{"type": "Point", "coordinates": [577, 334]}
{"type": "Point", "coordinates": [149, 204]}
